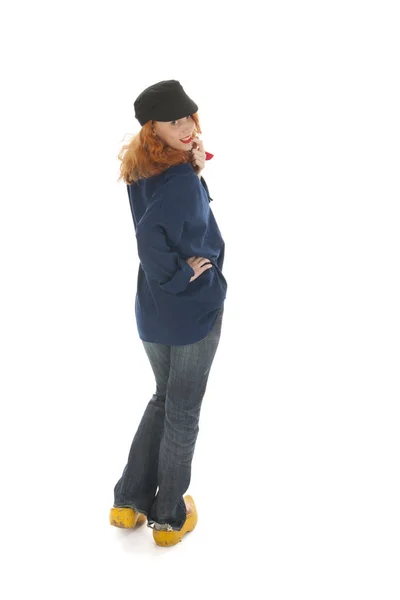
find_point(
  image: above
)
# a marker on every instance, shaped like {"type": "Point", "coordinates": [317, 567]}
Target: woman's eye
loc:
{"type": "Point", "coordinates": [173, 122]}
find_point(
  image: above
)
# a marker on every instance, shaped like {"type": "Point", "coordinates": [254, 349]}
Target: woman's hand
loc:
{"type": "Point", "coordinates": [198, 155]}
{"type": "Point", "coordinates": [198, 265]}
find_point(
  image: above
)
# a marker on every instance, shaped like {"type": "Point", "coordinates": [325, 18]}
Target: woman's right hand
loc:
{"type": "Point", "coordinates": [198, 265]}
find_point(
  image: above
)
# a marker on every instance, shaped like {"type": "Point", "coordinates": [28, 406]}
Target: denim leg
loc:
{"type": "Point", "coordinates": [189, 371]}
{"type": "Point", "coordinates": [138, 484]}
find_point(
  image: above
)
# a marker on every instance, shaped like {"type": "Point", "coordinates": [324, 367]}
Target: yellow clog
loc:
{"type": "Point", "coordinates": [126, 517]}
{"type": "Point", "coordinates": [170, 538]}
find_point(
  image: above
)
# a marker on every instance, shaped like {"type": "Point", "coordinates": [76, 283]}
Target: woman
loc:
{"type": "Point", "coordinates": [179, 307]}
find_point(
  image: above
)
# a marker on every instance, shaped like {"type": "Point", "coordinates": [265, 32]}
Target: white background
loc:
{"type": "Point", "coordinates": [296, 469]}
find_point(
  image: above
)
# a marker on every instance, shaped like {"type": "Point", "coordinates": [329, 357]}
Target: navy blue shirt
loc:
{"type": "Point", "coordinates": [173, 221]}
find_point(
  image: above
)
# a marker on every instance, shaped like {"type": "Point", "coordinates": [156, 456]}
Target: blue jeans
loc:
{"type": "Point", "coordinates": [158, 470]}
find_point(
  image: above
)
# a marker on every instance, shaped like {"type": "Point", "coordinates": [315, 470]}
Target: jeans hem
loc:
{"type": "Point", "coordinates": [132, 506]}
{"type": "Point", "coordinates": [164, 526]}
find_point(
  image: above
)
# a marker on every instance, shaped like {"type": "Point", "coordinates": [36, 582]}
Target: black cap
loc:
{"type": "Point", "coordinates": [163, 101]}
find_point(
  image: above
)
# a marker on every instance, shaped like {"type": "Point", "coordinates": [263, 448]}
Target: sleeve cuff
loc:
{"type": "Point", "coordinates": [180, 280]}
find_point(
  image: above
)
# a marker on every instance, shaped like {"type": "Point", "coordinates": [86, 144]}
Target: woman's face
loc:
{"type": "Point", "coordinates": [172, 132]}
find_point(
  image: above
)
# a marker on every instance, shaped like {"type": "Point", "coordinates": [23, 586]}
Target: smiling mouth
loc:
{"type": "Point", "coordinates": [186, 140]}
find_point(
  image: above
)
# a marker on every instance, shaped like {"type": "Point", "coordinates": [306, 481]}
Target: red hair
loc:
{"type": "Point", "coordinates": [146, 155]}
